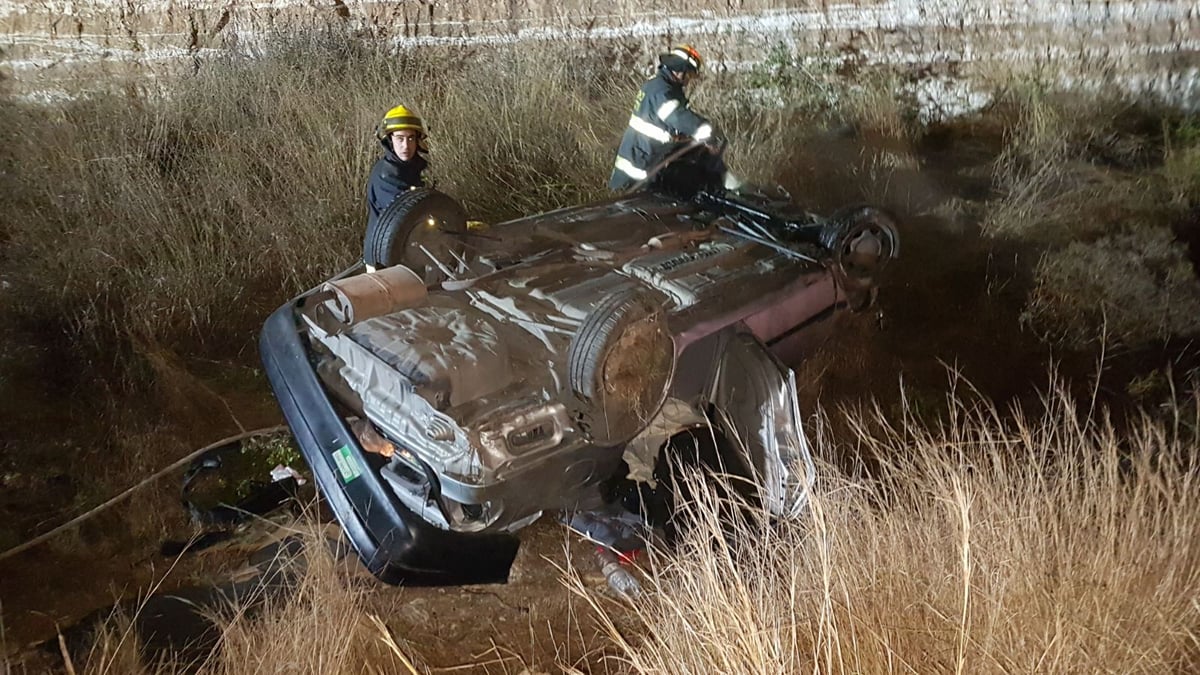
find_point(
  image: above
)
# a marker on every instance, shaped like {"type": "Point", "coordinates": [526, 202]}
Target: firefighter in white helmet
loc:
{"type": "Point", "coordinates": [663, 123]}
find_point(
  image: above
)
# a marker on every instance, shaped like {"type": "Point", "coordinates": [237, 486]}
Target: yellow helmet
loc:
{"type": "Point", "coordinates": [399, 118]}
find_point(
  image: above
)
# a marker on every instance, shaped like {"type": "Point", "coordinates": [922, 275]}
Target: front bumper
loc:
{"type": "Point", "coordinates": [396, 545]}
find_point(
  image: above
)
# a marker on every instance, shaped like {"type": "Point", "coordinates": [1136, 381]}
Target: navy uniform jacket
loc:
{"type": "Point", "coordinates": [660, 116]}
{"type": "Point", "coordinates": [391, 177]}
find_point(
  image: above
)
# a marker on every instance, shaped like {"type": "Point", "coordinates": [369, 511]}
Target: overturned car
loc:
{"type": "Point", "coordinates": [482, 376]}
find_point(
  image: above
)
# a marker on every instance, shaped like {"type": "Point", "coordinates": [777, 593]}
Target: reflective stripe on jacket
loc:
{"type": "Point", "coordinates": [661, 116]}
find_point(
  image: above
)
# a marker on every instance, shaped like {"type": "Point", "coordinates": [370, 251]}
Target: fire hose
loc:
{"type": "Point", "coordinates": [174, 466]}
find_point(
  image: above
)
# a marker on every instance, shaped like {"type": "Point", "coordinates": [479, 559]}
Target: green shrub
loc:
{"type": "Point", "coordinates": [1181, 162]}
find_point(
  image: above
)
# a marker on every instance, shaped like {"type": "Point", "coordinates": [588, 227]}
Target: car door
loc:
{"type": "Point", "coordinates": [754, 396]}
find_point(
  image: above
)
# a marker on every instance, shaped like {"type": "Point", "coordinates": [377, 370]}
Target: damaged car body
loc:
{"type": "Point", "coordinates": [481, 377]}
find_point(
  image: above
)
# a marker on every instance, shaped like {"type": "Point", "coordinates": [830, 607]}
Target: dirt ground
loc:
{"type": "Point", "coordinates": [951, 303]}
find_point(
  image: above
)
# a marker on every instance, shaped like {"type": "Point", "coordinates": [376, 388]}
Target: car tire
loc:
{"type": "Point", "coordinates": [863, 240]}
{"type": "Point", "coordinates": [420, 217]}
{"type": "Point", "coordinates": [620, 363]}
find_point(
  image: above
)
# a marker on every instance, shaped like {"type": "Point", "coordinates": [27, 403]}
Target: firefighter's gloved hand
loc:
{"type": "Point", "coordinates": [716, 143]}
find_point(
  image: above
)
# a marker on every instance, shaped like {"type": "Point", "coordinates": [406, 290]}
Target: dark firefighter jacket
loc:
{"type": "Point", "coordinates": [660, 115]}
{"type": "Point", "coordinates": [390, 177]}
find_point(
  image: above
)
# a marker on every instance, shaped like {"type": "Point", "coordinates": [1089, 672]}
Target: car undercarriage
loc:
{"type": "Point", "coordinates": [567, 363]}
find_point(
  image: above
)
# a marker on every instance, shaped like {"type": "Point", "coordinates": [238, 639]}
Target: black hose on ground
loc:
{"type": "Point", "coordinates": [46, 536]}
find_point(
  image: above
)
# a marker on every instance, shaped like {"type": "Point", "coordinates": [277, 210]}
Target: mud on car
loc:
{"type": "Point", "coordinates": [565, 363]}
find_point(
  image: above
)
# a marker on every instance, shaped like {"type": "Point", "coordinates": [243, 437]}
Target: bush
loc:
{"type": "Point", "coordinates": [1074, 165]}
{"type": "Point", "coordinates": [1129, 288]}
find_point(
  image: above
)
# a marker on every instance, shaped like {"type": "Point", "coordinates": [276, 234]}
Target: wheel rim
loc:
{"type": "Point", "coordinates": [437, 237]}
{"type": "Point", "coordinates": [866, 248]}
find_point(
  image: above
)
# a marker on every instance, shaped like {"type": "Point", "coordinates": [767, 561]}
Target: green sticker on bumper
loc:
{"type": "Point", "coordinates": [346, 464]}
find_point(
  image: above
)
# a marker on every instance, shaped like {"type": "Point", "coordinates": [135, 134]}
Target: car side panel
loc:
{"type": "Point", "coordinates": [756, 403]}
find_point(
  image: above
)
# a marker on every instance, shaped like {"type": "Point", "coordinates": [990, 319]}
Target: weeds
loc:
{"type": "Point", "coordinates": [173, 220]}
{"type": "Point", "coordinates": [1038, 545]}
{"type": "Point", "coordinates": [1136, 286]}
{"type": "Point", "coordinates": [304, 616]}
{"type": "Point", "coordinates": [1033, 172]}
{"type": "Point", "coordinates": [114, 650]}
{"type": "Point", "coordinates": [879, 105]}
{"type": "Point", "coordinates": [321, 625]}
{"type": "Point", "coordinates": [1181, 166]}
{"type": "Point", "coordinates": [786, 78]}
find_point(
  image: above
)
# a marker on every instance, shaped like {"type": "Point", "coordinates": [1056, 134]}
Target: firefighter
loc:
{"type": "Point", "coordinates": [402, 166]}
{"type": "Point", "coordinates": [663, 125]}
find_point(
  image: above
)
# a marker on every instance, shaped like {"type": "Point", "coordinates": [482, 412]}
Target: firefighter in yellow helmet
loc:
{"type": "Point", "coordinates": [403, 164]}
{"type": "Point", "coordinates": [663, 125]}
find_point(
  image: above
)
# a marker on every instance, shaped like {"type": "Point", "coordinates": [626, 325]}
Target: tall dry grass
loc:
{"type": "Point", "coordinates": [322, 624]}
{"type": "Point", "coordinates": [175, 214]}
{"type": "Point", "coordinates": [1054, 184]}
{"type": "Point", "coordinates": [992, 543]}
{"type": "Point", "coordinates": [178, 214]}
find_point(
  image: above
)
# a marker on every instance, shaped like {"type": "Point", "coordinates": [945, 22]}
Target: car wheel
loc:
{"type": "Point", "coordinates": [415, 222]}
{"type": "Point", "coordinates": [863, 240]}
{"type": "Point", "coordinates": [620, 363]}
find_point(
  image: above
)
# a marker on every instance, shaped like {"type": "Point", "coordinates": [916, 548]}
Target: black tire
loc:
{"type": "Point", "coordinates": [621, 395]}
{"type": "Point", "coordinates": [418, 217]}
{"type": "Point", "coordinates": [862, 240]}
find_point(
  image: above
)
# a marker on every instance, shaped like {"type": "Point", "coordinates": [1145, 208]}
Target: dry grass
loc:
{"type": "Point", "coordinates": [992, 543]}
{"type": "Point", "coordinates": [1076, 165]}
{"type": "Point", "coordinates": [524, 131]}
{"type": "Point", "coordinates": [1131, 288]}
{"type": "Point", "coordinates": [1033, 545]}
{"type": "Point", "coordinates": [176, 219]}
{"type": "Point", "coordinates": [1042, 173]}
{"type": "Point", "coordinates": [115, 650]}
{"type": "Point", "coordinates": [325, 627]}
{"type": "Point", "coordinates": [172, 217]}
{"type": "Point", "coordinates": [321, 625]}
{"type": "Point", "coordinates": [1096, 182]}
{"type": "Point", "coordinates": [878, 105]}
